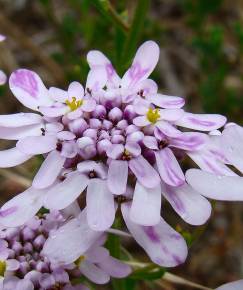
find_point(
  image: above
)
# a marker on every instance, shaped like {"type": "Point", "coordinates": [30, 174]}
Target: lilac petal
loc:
{"type": "Point", "coordinates": [115, 151]}
{"type": "Point", "coordinates": [146, 205]}
{"type": "Point", "coordinates": [58, 95]}
{"type": "Point", "coordinates": [89, 105]}
{"type": "Point", "coordinates": [188, 203]}
{"type": "Point", "coordinates": [202, 122]}
{"type": "Point", "coordinates": [115, 268]}
{"type": "Point", "coordinates": [117, 176]}
{"type": "Point", "coordinates": [171, 115]}
{"type": "Point", "coordinates": [53, 112]}
{"type": "Point", "coordinates": [12, 157]}
{"type": "Point", "coordinates": [66, 135]}
{"type": "Point", "coordinates": [144, 172]}
{"type": "Point", "coordinates": [237, 285]}
{"type": "Point", "coordinates": [21, 208]}
{"type": "Point", "coordinates": [232, 141]}
{"type": "Point", "coordinates": [47, 281]}
{"type": "Point", "coordinates": [133, 148]}
{"type": "Point", "coordinates": [169, 168]}
{"type": "Point", "coordinates": [2, 37]}
{"type": "Point", "coordinates": [94, 273]}
{"type": "Point", "coordinates": [208, 161]}
{"type": "Point", "coordinates": [100, 205]}
{"type": "Point", "coordinates": [37, 144]}
{"type": "Point", "coordinates": [141, 121]}
{"type": "Point", "coordinates": [141, 106]}
{"type": "Point", "coordinates": [190, 141]}
{"type": "Point", "coordinates": [146, 87]}
{"type": "Point", "coordinates": [9, 283]}
{"type": "Point", "coordinates": [75, 90]}
{"type": "Point", "coordinates": [167, 102]}
{"type": "Point", "coordinates": [100, 169]}
{"type": "Point", "coordinates": [49, 170]}
{"type": "Point", "coordinates": [19, 120]}
{"type": "Point", "coordinates": [76, 234]}
{"type": "Point", "coordinates": [168, 129]}
{"type": "Point", "coordinates": [96, 58]}
{"type": "Point", "coordinates": [97, 254]}
{"type": "Point", "coordinates": [143, 64]}
{"type": "Point", "coordinates": [150, 142]}
{"type": "Point", "coordinates": [162, 243]}
{"type": "Point", "coordinates": [64, 193]}
{"type": "Point", "coordinates": [215, 186]}
{"type": "Point", "coordinates": [12, 265]}
{"type": "Point", "coordinates": [96, 79]}
{"type": "Point", "coordinates": [29, 89]}
{"type": "Point", "coordinates": [20, 132]}
{"type": "Point", "coordinates": [24, 284]}
{"type": "Point", "coordinates": [3, 78]}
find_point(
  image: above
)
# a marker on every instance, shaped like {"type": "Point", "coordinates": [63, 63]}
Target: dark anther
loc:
{"type": "Point", "coordinates": [43, 132]}
{"type": "Point", "coordinates": [163, 144]}
{"type": "Point", "coordinates": [89, 90]}
{"type": "Point", "coordinates": [59, 146]}
{"type": "Point", "coordinates": [121, 199]}
{"type": "Point", "coordinates": [140, 93]}
{"type": "Point", "coordinates": [92, 174]}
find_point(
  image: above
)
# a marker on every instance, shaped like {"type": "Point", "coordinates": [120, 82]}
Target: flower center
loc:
{"type": "Point", "coordinates": [153, 115]}
{"type": "Point", "coordinates": [3, 267]}
{"type": "Point", "coordinates": [74, 104]}
{"type": "Point", "coordinates": [79, 260]}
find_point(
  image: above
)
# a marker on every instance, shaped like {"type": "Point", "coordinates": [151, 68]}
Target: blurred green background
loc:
{"type": "Point", "coordinates": [201, 59]}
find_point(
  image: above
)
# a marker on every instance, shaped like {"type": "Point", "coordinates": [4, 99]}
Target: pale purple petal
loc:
{"type": "Point", "coordinates": [96, 79]}
{"type": "Point", "coordinates": [88, 105]}
{"type": "Point", "coordinates": [117, 176]}
{"type": "Point", "coordinates": [171, 115]}
{"type": "Point", "coordinates": [202, 122]}
{"type": "Point", "coordinates": [75, 90]}
{"type": "Point", "coordinates": [216, 186]}
{"type": "Point", "coordinates": [76, 234]}
{"type": "Point", "coordinates": [64, 193]}
{"type": "Point", "coordinates": [97, 254]}
{"type": "Point", "coordinates": [25, 284]}
{"type": "Point", "coordinates": [29, 89]}
{"type": "Point", "coordinates": [2, 37]}
{"type": "Point", "coordinates": [3, 78]}
{"type": "Point", "coordinates": [100, 205]}
{"type": "Point", "coordinates": [37, 144]}
{"type": "Point", "coordinates": [232, 142]}
{"type": "Point", "coordinates": [141, 106]}
{"type": "Point", "coordinates": [237, 285]}
{"type": "Point", "coordinates": [19, 120]}
{"type": "Point", "coordinates": [190, 141]}
{"type": "Point", "coordinates": [54, 111]}
{"type": "Point", "coordinates": [141, 121]}
{"type": "Point", "coordinates": [49, 170]}
{"type": "Point", "coordinates": [146, 87]}
{"type": "Point", "coordinates": [146, 205]}
{"type": "Point", "coordinates": [12, 265]}
{"type": "Point", "coordinates": [115, 151]}
{"type": "Point", "coordinates": [20, 132]}
{"type": "Point", "coordinates": [162, 243]}
{"type": "Point", "coordinates": [143, 64]}
{"type": "Point", "coordinates": [115, 268]}
{"type": "Point", "coordinates": [94, 273]}
{"type": "Point", "coordinates": [144, 172]}
{"type": "Point", "coordinates": [167, 102]}
{"type": "Point", "coordinates": [169, 168]}
{"type": "Point", "coordinates": [12, 157]}
{"type": "Point", "coordinates": [168, 129]}
{"type": "Point", "coordinates": [21, 208]}
{"type": "Point", "coordinates": [188, 203]}
{"type": "Point", "coordinates": [133, 148]}
{"type": "Point", "coordinates": [150, 142]}
{"type": "Point", "coordinates": [58, 95]}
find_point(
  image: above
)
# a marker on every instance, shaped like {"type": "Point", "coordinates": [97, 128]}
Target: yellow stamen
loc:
{"type": "Point", "coordinates": [153, 115]}
{"type": "Point", "coordinates": [74, 104]}
{"type": "Point", "coordinates": [3, 267]}
{"type": "Point", "coordinates": [79, 260]}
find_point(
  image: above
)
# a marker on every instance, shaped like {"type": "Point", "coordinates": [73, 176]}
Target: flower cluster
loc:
{"type": "Point", "coordinates": [24, 264]}
{"type": "Point", "coordinates": [3, 77]}
{"type": "Point", "coordinates": [122, 143]}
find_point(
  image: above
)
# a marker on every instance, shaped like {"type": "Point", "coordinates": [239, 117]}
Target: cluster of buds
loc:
{"type": "Point", "coordinates": [123, 144]}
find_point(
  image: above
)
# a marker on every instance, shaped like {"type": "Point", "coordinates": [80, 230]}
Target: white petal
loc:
{"type": "Point", "coordinates": [117, 176]}
{"type": "Point", "coordinates": [20, 132]}
{"type": "Point", "coordinates": [19, 119]}
{"type": "Point", "coordinates": [37, 144]}
{"type": "Point", "coordinates": [12, 157]}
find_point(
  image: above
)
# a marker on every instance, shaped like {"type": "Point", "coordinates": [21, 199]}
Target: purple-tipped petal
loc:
{"type": "Point", "coordinates": [12, 157]}
{"type": "Point", "coordinates": [215, 186]}
{"type": "Point", "coordinates": [169, 168]}
{"type": "Point", "coordinates": [202, 122]}
{"type": "Point", "coordinates": [49, 170]}
{"type": "Point", "coordinates": [21, 208]}
{"type": "Point", "coordinates": [189, 141]}
{"type": "Point", "coordinates": [144, 172]}
{"type": "Point", "coordinates": [167, 102]}
{"type": "Point", "coordinates": [100, 205]}
{"type": "Point", "coordinates": [117, 176]}
{"type": "Point", "coordinates": [143, 64]}
{"type": "Point", "coordinates": [37, 144]}
{"type": "Point", "coordinates": [162, 243]}
{"type": "Point", "coordinates": [64, 193]}
{"type": "Point", "coordinates": [188, 203]}
{"type": "Point", "coordinates": [29, 89]}
{"type": "Point", "coordinates": [146, 205]}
